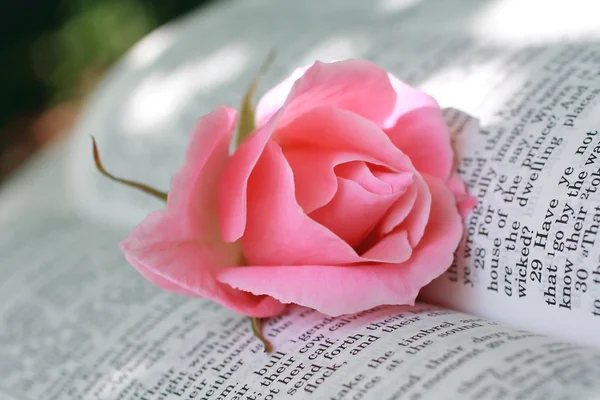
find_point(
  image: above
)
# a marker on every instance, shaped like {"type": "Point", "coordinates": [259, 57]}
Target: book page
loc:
{"type": "Point", "coordinates": [76, 322]}
{"type": "Point", "coordinates": [39, 185]}
{"type": "Point", "coordinates": [526, 124]}
{"type": "Point", "coordinates": [531, 253]}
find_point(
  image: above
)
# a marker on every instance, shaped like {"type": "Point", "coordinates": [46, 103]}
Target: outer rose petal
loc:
{"type": "Point", "coordinates": [465, 201]}
{"type": "Point", "coordinates": [418, 128]}
{"type": "Point", "coordinates": [358, 86]}
{"type": "Point", "coordinates": [337, 290]}
{"type": "Point", "coordinates": [179, 248]}
{"type": "Point", "coordinates": [272, 101]}
{"type": "Point", "coordinates": [232, 190]}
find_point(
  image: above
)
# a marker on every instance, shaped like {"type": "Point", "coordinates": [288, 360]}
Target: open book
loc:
{"type": "Point", "coordinates": [517, 315]}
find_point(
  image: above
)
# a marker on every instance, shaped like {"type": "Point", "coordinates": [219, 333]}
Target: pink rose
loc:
{"type": "Point", "coordinates": [343, 198]}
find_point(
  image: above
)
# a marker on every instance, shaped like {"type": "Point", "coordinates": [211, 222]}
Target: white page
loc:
{"type": "Point", "coordinates": [473, 62]}
{"type": "Point", "coordinates": [76, 322]}
{"type": "Point", "coordinates": [39, 185]}
{"type": "Point", "coordinates": [532, 243]}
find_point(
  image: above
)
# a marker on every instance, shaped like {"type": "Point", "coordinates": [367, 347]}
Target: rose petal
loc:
{"type": "Point", "coordinates": [337, 290]}
{"type": "Point", "coordinates": [204, 161]}
{"type": "Point", "coordinates": [358, 86]}
{"type": "Point", "coordinates": [398, 211]}
{"type": "Point", "coordinates": [179, 248]}
{"type": "Point", "coordinates": [353, 212]}
{"type": "Point", "coordinates": [233, 187]}
{"type": "Point", "coordinates": [373, 178]}
{"type": "Point", "coordinates": [274, 217]}
{"type": "Point", "coordinates": [466, 205]}
{"type": "Point", "coordinates": [314, 176]}
{"type": "Point", "coordinates": [417, 219]}
{"type": "Point", "coordinates": [417, 127]}
{"type": "Point", "coordinates": [277, 230]}
{"type": "Point", "coordinates": [188, 267]}
{"type": "Point", "coordinates": [340, 130]}
{"type": "Point", "coordinates": [465, 201]}
{"type": "Point", "coordinates": [393, 248]}
{"type": "Point", "coordinates": [272, 101]}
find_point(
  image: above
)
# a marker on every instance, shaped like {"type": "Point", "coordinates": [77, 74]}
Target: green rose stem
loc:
{"type": "Point", "coordinates": [133, 184]}
{"type": "Point", "coordinates": [257, 330]}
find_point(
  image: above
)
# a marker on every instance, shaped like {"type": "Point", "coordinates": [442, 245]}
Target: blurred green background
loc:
{"type": "Point", "coordinates": [54, 52]}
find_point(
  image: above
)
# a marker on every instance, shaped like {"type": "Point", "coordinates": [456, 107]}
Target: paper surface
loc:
{"type": "Point", "coordinates": [76, 322]}
{"type": "Point", "coordinates": [527, 90]}
{"type": "Point", "coordinates": [524, 90]}
{"type": "Point", "coordinates": [532, 242]}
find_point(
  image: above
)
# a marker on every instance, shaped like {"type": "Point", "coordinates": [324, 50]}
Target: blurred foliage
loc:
{"type": "Point", "coordinates": [53, 51]}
